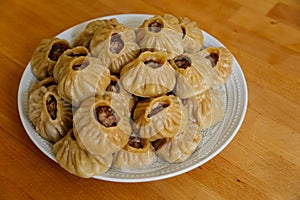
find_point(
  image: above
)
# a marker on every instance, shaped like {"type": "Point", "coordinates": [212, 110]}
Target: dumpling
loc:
{"type": "Point", "coordinates": [221, 62]}
{"type": "Point", "coordinates": [120, 95]}
{"type": "Point", "coordinates": [149, 75]}
{"type": "Point", "coordinates": [137, 153]}
{"type": "Point", "coordinates": [192, 36]}
{"type": "Point", "coordinates": [47, 82]}
{"type": "Point", "coordinates": [85, 37]}
{"type": "Point", "coordinates": [105, 33]}
{"type": "Point", "coordinates": [50, 115]}
{"type": "Point", "coordinates": [80, 78]}
{"type": "Point", "coordinates": [161, 33]}
{"type": "Point", "coordinates": [45, 56]}
{"type": "Point", "coordinates": [101, 126]}
{"type": "Point", "coordinates": [68, 55]}
{"type": "Point", "coordinates": [206, 109]}
{"type": "Point", "coordinates": [160, 117]}
{"type": "Point", "coordinates": [116, 47]}
{"type": "Point", "coordinates": [76, 160]}
{"type": "Point", "coordinates": [194, 75]}
{"type": "Point", "coordinates": [180, 147]}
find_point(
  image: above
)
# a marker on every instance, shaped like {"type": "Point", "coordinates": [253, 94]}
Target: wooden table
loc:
{"type": "Point", "coordinates": [262, 161]}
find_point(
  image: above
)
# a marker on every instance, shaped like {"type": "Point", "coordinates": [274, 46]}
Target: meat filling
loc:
{"type": "Point", "coordinates": [157, 107]}
{"type": "Point", "coordinates": [152, 63]}
{"type": "Point", "coordinates": [51, 105]}
{"type": "Point", "coordinates": [135, 142]}
{"type": "Point", "coordinates": [155, 27]}
{"type": "Point", "coordinates": [81, 66]}
{"type": "Point", "coordinates": [158, 143]}
{"type": "Point", "coordinates": [116, 43]}
{"type": "Point", "coordinates": [113, 87]}
{"type": "Point", "coordinates": [183, 61]}
{"type": "Point", "coordinates": [213, 58]}
{"type": "Point", "coordinates": [106, 116]}
{"type": "Point", "coordinates": [56, 51]}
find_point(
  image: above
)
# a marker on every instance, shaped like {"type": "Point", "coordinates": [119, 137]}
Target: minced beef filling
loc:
{"type": "Point", "coordinates": [106, 116]}
{"type": "Point", "coordinates": [113, 87]}
{"type": "Point", "coordinates": [56, 51]}
{"type": "Point", "coordinates": [157, 108]}
{"type": "Point", "coordinates": [183, 61]}
{"type": "Point", "coordinates": [51, 105]}
{"type": "Point", "coordinates": [81, 66]}
{"type": "Point", "coordinates": [155, 27]}
{"type": "Point", "coordinates": [158, 143]}
{"type": "Point", "coordinates": [116, 43]}
{"type": "Point", "coordinates": [135, 142]}
{"type": "Point", "coordinates": [152, 63]}
{"type": "Point", "coordinates": [213, 58]}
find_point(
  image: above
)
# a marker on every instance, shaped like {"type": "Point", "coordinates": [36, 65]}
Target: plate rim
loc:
{"type": "Point", "coordinates": [25, 121]}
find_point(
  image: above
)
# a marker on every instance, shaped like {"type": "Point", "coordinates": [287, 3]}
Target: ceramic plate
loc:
{"type": "Point", "coordinates": [215, 139]}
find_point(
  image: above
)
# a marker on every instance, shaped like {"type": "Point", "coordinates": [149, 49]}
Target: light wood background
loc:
{"type": "Point", "coordinates": [263, 160]}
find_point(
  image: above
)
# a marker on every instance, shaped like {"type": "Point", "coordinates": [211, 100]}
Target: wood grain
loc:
{"type": "Point", "coordinates": [262, 162]}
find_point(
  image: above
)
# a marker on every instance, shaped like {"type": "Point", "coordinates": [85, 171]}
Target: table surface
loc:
{"type": "Point", "coordinates": [262, 161]}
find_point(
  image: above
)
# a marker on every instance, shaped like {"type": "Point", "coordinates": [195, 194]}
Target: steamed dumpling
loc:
{"type": "Point", "coordinates": [102, 126]}
{"type": "Point", "coordinates": [85, 37]}
{"type": "Point", "coordinates": [68, 55]}
{"type": "Point", "coordinates": [50, 115]}
{"type": "Point", "coordinates": [161, 33]}
{"type": "Point", "coordinates": [194, 75]}
{"type": "Point", "coordinates": [180, 147]}
{"type": "Point", "coordinates": [120, 95]}
{"type": "Point", "coordinates": [160, 117]}
{"type": "Point", "coordinates": [137, 153]}
{"type": "Point", "coordinates": [149, 75]}
{"type": "Point", "coordinates": [192, 36]}
{"type": "Point", "coordinates": [45, 56]}
{"type": "Point", "coordinates": [116, 47]}
{"type": "Point", "coordinates": [206, 109]}
{"type": "Point", "coordinates": [104, 34]}
{"type": "Point", "coordinates": [82, 77]}
{"type": "Point", "coordinates": [221, 62]}
{"type": "Point", "coordinates": [47, 82]}
{"type": "Point", "coordinates": [76, 160]}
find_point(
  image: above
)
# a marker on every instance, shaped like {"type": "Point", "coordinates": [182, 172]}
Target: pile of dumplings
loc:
{"type": "Point", "coordinates": [122, 97]}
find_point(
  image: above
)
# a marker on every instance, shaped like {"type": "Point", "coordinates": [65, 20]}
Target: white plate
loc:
{"type": "Point", "coordinates": [235, 98]}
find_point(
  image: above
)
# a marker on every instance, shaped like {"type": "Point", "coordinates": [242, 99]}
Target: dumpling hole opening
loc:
{"type": "Point", "coordinates": [116, 43]}
{"type": "Point", "coordinates": [56, 50]}
{"type": "Point", "coordinates": [183, 61]}
{"type": "Point", "coordinates": [80, 64]}
{"type": "Point", "coordinates": [77, 53]}
{"type": "Point", "coordinates": [183, 32]}
{"type": "Point", "coordinates": [106, 116]}
{"type": "Point", "coordinates": [155, 26]}
{"type": "Point", "coordinates": [213, 58]}
{"type": "Point", "coordinates": [48, 84]}
{"type": "Point", "coordinates": [158, 107]}
{"type": "Point", "coordinates": [51, 104]}
{"type": "Point", "coordinates": [157, 144]}
{"type": "Point", "coordinates": [153, 63]}
{"type": "Point", "coordinates": [113, 86]}
{"type": "Point", "coordinates": [73, 136]}
{"type": "Point", "coordinates": [136, 142]}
